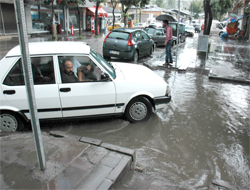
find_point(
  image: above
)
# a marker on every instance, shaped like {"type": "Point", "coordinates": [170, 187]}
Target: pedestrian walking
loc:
{"type": "Point", "coordinates": [168, 43]}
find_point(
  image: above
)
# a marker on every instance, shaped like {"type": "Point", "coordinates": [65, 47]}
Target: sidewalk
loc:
{"type": "Point", "coordinates": [72, 162]}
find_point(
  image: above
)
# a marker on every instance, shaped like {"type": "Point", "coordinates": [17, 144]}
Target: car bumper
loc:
{"type": "Point", "coordinates": [160, 101]}
{"type": "Point", "coordinates": [122, 54]}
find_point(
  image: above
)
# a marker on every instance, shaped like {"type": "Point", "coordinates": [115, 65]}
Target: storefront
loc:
{"type": "Point", "coordinates": [241, 9]}
{"type": "Point", "coordinates": [90, 18]}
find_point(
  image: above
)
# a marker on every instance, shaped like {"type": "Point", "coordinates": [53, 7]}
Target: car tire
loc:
{"type": "Point", "coordinates": [138, 109]}
{"type": "Point", "coordinates": [135, 57]}
{"type": "Point", "coordinates": [151, 50]}
{"type": "Point", "coordinates": [10, 121]}
{"type": "Point", "coordinates": [155, 44]}
{"type": "Point", "coordinates": [220, 34]}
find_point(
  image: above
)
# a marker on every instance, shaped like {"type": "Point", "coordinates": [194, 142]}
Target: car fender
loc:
{"type": "Point", "coordinates": [16, 110]}
{"type": "Point", "coordinates": [138, 94]}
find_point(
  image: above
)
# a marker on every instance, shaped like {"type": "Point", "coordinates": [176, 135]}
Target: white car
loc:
{"type": "Point", "coordinates": [189, 30]}
{"type": "Point", "coordinates": [112, 89]}
{"type": "Point", "coordinates": [140, 25]}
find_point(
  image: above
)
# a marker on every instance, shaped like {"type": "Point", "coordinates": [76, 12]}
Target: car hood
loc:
{"type": "Point", "coordinates": [137, 73]}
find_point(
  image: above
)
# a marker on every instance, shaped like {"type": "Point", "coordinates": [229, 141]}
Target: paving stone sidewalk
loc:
{"type": "Point", "coordinates": [72, 162]}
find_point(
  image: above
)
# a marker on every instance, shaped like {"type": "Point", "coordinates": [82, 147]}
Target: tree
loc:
{"type": "Point", "coordinates": [195, 7]}
{"type": "Point", "coordinates": [159, 3]}
{"type": "Point", "coordinates": [126, 4]}
{"type": "Point", "coordinates": [52, 18]}
{"type": "Point", "coordinates": [98, 2]}
{"type": "Point", "coordinates": [172, 4]}
{"type": "Point", "coordinates": [79, 10]}
{"type": "Point", "coordinates": [114, 3]}
{"type": "Point", "coordinates": [208, 17]}
{"type": "Point", "coordinates": [220, 7]}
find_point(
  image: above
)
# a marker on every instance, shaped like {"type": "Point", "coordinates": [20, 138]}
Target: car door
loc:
{"type": "Point", "coordinates": [92, 97]}
{"type": "Point", "coordinates": [161, 36]}
{"type": "Point", "coordinates": [147, 44]}
{"type": "Point", "coordinates": [140, 42]}
{"type": "Point", "coordinates": [46, 90]}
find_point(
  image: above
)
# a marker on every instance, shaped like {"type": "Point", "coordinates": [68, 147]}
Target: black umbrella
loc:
{"type": "Point", "coordinates": [166, 17]}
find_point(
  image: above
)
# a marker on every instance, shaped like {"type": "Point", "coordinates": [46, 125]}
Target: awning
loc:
{"type": "Point", "coordinates": [101, 11]}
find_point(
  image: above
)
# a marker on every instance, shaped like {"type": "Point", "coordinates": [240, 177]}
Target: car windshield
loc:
{"type": "Point", "coordinates": [119, 35]}
{"type": "Point", "coordinates": [106, 65]}
{"type": "Point", "coordinates": [189, 28]}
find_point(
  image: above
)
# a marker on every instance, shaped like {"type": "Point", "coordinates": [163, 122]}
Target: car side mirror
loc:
{"type": "Point", "coordinates": [105, 77]}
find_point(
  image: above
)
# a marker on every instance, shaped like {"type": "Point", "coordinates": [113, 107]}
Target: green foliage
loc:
{"type": "Point", "coordinates": [196, 7]}
{"type": "Point", "coordinates": [80, 37]}
{"type": "Point", "coordinates": [220, 7]}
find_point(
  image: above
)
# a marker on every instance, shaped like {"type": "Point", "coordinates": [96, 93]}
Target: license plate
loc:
{"type": "Point", "coordinates": [114, 52]}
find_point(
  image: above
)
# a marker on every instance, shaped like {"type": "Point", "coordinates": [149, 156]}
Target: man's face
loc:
{"type": "Point", "coordinates": [69, 67]}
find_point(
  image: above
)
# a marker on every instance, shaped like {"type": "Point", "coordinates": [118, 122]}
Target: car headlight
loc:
{"type": "Point", "coordinates": [168, 91]}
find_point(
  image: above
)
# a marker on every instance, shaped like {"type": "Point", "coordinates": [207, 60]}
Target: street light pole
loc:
{"type": "Point", "coordinates": [28, 78]}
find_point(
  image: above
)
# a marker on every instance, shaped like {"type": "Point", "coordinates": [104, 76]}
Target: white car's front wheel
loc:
{"type": "Point", "coordinates": [139, 109]}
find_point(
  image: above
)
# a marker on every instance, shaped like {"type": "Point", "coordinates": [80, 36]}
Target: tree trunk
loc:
{"type": "Point", "coordinates": [96, 18]}
{"type": "Point", "coordinates": [208, 17]}
{"type": "Point", "coordinates": [53, 26]}
{"type": "Point", "coordinates": [79, 21]}
{"type": "Point", "coordinates": [113, 5]}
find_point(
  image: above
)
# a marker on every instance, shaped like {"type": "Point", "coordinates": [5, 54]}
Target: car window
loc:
{"type": "Point", "coordinates": [150, 30]}
{"type": "Point", "coordinates": [159, 31]}
{"type": "Point", "coordinates": [138, 35]}
{"type": "Point", "coordinates": [83, 70]}
{"type": "Point", "coordinates": [106, 65]}
{"type": "Point", "coordinates": [42, 70]}
{"type": "Point", "coordinates": [145, 36]}
{"type": "Point", "coordinates": [119, 35]}
{"type": "Point", "coordinates": [15, 76]}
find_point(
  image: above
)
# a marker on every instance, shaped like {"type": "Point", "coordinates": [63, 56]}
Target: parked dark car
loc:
{"type": "Point", "coordinates": [159, 36]}
{"type": "Point", "coordinates": [197, 28]}
{"type": "Point", "coordinates": [127, 43]}
{"type": "Point", "coordinates": [182, 36]}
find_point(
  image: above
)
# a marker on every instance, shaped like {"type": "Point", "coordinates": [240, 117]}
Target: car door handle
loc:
{"type": "Point", "coordinates": [65, 89]}
{"type": "Point", "coordinates": [9, 92]}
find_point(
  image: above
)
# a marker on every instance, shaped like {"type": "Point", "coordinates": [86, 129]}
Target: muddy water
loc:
{"type": "Point", "coordinates": [199, 136]}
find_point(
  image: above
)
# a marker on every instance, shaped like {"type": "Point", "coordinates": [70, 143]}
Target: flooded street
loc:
{"type": "Point", "coordinates": [201, 135]}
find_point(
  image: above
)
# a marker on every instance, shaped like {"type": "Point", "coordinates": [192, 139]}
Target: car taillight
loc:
{"type": "Point", "coordinates": [129, 41]}
{"type": "Point", "coordinates": [106, 37]}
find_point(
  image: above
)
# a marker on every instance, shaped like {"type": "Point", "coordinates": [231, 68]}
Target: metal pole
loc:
{"type": "Point", "coordinates": [27, 70]}
{"type": "Point", "coordinates": [177, 33]}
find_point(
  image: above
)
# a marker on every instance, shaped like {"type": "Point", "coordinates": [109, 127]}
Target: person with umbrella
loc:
{"type": "Point", "coordinates": [168, 44]}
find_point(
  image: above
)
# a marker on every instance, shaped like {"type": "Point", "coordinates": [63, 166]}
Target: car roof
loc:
{"type": "Point", "coordinates": [129, 30]}
{"type": "Point", "coordinates": [39, 48]}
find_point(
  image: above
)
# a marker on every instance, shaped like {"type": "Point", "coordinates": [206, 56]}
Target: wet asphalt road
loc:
{"type": "Point", "coordinates": [201, 135]}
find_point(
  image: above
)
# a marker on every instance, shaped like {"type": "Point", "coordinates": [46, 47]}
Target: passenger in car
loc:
{"type": "Point", "coordinates": [67, 73]}
{"type": "Point", "coordinates": [85, 73]}
{"type": "Point", "coordinates": [37, 74]}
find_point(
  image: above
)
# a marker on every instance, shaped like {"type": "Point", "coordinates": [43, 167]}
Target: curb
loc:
{"type": "Point", "coordinates": [228, 79]}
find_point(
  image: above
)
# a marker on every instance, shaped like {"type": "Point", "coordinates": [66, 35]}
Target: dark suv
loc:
{"type": "Point", "coordinates": [127, 43]}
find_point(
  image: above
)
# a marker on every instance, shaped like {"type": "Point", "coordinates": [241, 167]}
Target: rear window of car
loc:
{"type": "Point", "coordinates": [119, 35]}
{"type": "Point", "coordinates": [150, 30]}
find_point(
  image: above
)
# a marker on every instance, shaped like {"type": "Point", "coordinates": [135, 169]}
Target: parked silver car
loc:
{"type": "Point", "coordinates": [127, 43]}
{"type": "Point", "coordinates": [159, 36]}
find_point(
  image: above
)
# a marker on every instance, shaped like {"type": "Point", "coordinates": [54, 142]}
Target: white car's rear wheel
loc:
{"type": "Point", "coordinates": [10, 122]}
